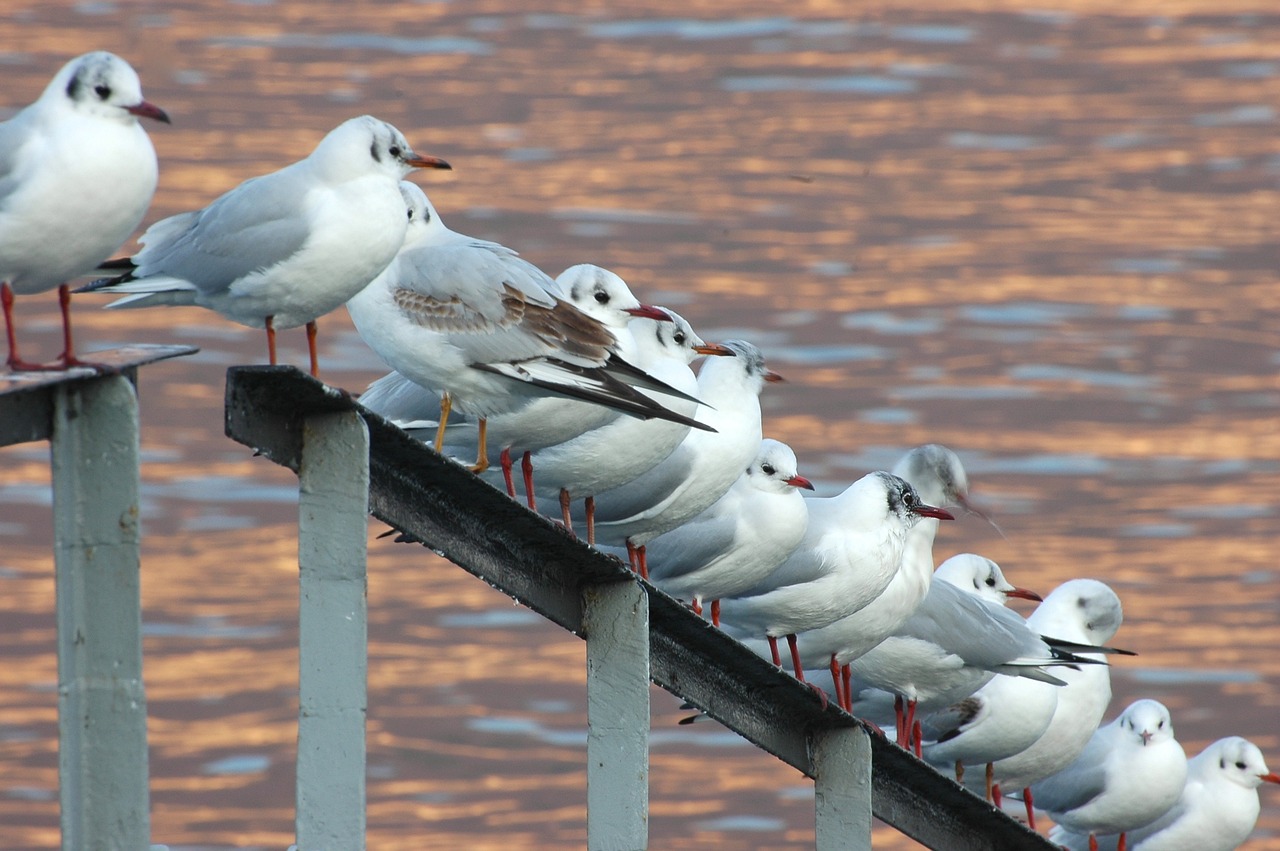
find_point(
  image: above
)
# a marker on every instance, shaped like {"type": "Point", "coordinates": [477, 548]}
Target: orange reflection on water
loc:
{"type": "Point", "coordinates": [1044, 239]}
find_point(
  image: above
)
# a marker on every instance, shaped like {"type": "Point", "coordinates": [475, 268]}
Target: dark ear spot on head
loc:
{"type": "Point", "coordinates": [74, 86]}
{"type": "Point", "coordinates": [374, 152]}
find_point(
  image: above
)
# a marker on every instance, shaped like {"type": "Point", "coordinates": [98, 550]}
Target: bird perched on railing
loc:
{"type": "Point", "coordinates": [77, 173]}
{"type": "Point", "coordinates": [489, 331]}
{"type": "Point", "coordinates": [283, 249]}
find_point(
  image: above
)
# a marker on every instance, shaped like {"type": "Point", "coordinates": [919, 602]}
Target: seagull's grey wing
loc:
{"type": "Point", "coordinates": [692, 546]}
{"type": "Point", "coordinates": [11, 138]}
{"type": "Point", "coordinates": [1071, 788]}
{"type": "Point", "coordinates": [258, 224]}
{"type": "Point", "coordinates": [642, 494]}
{"type": "Point", "coordinates": [492, 305]}
{"type": "Point", "coordinates": [396, 398]}
{"type": "Point", "coordinates": [968, 627]}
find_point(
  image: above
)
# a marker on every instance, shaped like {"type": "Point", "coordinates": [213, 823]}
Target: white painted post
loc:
{"type": "Point", "coordinates": [842, 790]}
{"type": "Point", "coordinates": [616, 623]}
{"type": "Point", "coordinates": [333, 482]}
{"type": "Point", "coordinates": [102, 708]}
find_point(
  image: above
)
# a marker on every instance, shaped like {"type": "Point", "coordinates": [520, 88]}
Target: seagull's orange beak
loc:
{"type": "Point", "coordinates": [418, 161]}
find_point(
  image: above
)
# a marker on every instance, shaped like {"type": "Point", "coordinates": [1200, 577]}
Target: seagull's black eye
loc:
{"type": "Point", "coordinates": [679, 338]}
{"type": "Point", "coordinates": [1241, 766]}
{"type": "Point", "coordinates": [991, 582]}
{"type": "Point", "coordinates": [102, 90]}
{"type": "Point", "coordinates": [767, 469]}
{"type": "Point", "coordinates": [1161, 725]}
{"type": "Point", "coordinates": [602, 297]}
{"type": "Point", "coordinates": [395, 151]}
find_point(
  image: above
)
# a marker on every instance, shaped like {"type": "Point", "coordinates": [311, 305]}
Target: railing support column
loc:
{"type": "Point", "coordinates": [842, 789]}
{"type": "Point", "coordinates": [616, 624]}
{"type": "Point", "coordinates": [333, 482]}
{"type": "Point", "coordinates": [102, 708]}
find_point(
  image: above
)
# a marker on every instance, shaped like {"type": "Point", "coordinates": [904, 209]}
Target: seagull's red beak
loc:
{"type": "Point", "coordinates": [933, 511]}
{"type": "Point", "coordinates": [800, 482]}
{"type": "Point", "coordinates": [714, 349]}
{"type": "Point", "coordinates": [648, 311]}
{"type": "Point", "coordinates": [1270, 778]}
{"type": "Point", "coordinates": [771, 376]}
{"type": "Point", "coordinates": [1024, 594]}
{"type": "Point", "coordinates": [146, 109]}
{"type": "Point", "coordinates": [418, 161]}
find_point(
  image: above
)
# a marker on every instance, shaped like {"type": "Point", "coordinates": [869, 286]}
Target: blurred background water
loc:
{"type": "Point", "coordinates": [1042, 234]}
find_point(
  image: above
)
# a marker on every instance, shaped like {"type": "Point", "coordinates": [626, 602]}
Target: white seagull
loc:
{"type": "Point", "coordinates": [698, 471]}
{"type": "Point", "coordinates": [1215, 811]}
{"type": "Point", "coordinates": [77, 173]}
{"type": "Point", "coordinates": [738, 540]}
{"type": "Point", "coordinates": [1083, 611]}
{"type": "Point", "coordinates": [851, 550]}
{"type": "Point", "coordinates": [542, 422]}
{"type": "Point", "coordinates": [916, 662]}
{"type": "Point", "coordinates": [283, 249]}
{"type": "Point", "coordinates": [939, 479]}
{"type": "Point", "coordinates": [487, 330]}
{"type": "Point", "coordinates": [1128, 775]}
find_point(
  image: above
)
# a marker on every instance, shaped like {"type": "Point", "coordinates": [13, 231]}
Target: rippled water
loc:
{"type": "Point", "coordinates": [1044, 237]}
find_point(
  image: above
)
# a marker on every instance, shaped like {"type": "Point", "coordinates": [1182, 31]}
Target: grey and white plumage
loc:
{"type": "Point", "coordinates": [957, 639]}
{"type": "Point", "coordinates": [1084, 611]}
{"type": "Point", "coordinates": [940, 480]}
{"type": "Point", "coordinates": [472, 321]}
{"type": "Point", "coordinates": [286, 247]}
{"type": "Point", "coordinates": [77, 173]}
{"type": "Point", "coordinates": [546, 421]}
{"type": "Point", "coordinates": [1215, 811]}
{"type": "Point", "coordinates": [851, 549]}
{"type": "Point", "coordinates": [704, 464]}
{"type": "Point", "coordinates": [1129, 773]}
{"type": "Point", "coordinates": [739, 539]}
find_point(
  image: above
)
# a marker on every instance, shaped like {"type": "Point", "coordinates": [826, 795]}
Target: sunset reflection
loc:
{"type": "Point", "coordinates": [1045, 239]}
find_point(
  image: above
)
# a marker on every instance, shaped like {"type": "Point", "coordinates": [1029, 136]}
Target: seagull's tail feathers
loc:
{"type": "Point", "coordinates": [590, 384]}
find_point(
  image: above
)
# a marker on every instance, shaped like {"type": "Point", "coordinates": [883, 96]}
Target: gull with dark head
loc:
{"type": "Point", "coordinates": [77, 173]}
{"type": "Point", "coordinates": [283, 249]}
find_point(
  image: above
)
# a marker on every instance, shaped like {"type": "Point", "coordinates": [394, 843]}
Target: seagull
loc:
{"type": "Point", "coordinates": [1085, 611]}
{"type": "Point", "coordinates": [698, 471]}
{"type": "Point", "coordinates": [77, 173]}
{"type": "Point", "coordinates": [739, 539]}
{"type": "Point", "coordinates": [488, 331]}
{"type": "Point", "coordinates": [956, 641]}
{"type": "Point", "coordinates": [851, 550]}
{"type": "Point", "coordinates": [1128, 775]}
{"type": "Point", "coordinates": [919, 662]}
{"type": "Point", "coordinates": [939, 479]}
{"type": "Point", "coordinates": [283, 249]}
{"type": "Point", "coordinates": [1216, 809]}
{"type": "Point", "coordinates": [546, 421]}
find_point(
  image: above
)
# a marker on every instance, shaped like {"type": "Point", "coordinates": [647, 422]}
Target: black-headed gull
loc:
{"type": "Point", "coordinates": [696, 473]}
{"type": "Point", "coordinates": [489, 331]}
{"type": "Point", "coordinates": [542, 422]}
{"type": "Point", "coordinates": [283, 249]}
{"type": "Point", "coordinates": [851, 550]}
{"type": "Point", "coordinates": [1128, 775]}
{"type": "Point", "coordinates": [1083, 611]}
{"type": "Point", "coordinates": [918, 662]}
{"type": "Point", "coordinates": [1215, 811]}
{"type": "Point", "coordinates": [739, 539]}
{"type": "Point", "coordinates": [939, 479]}
{"type": "Point", "coordinates": [77, 173]}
